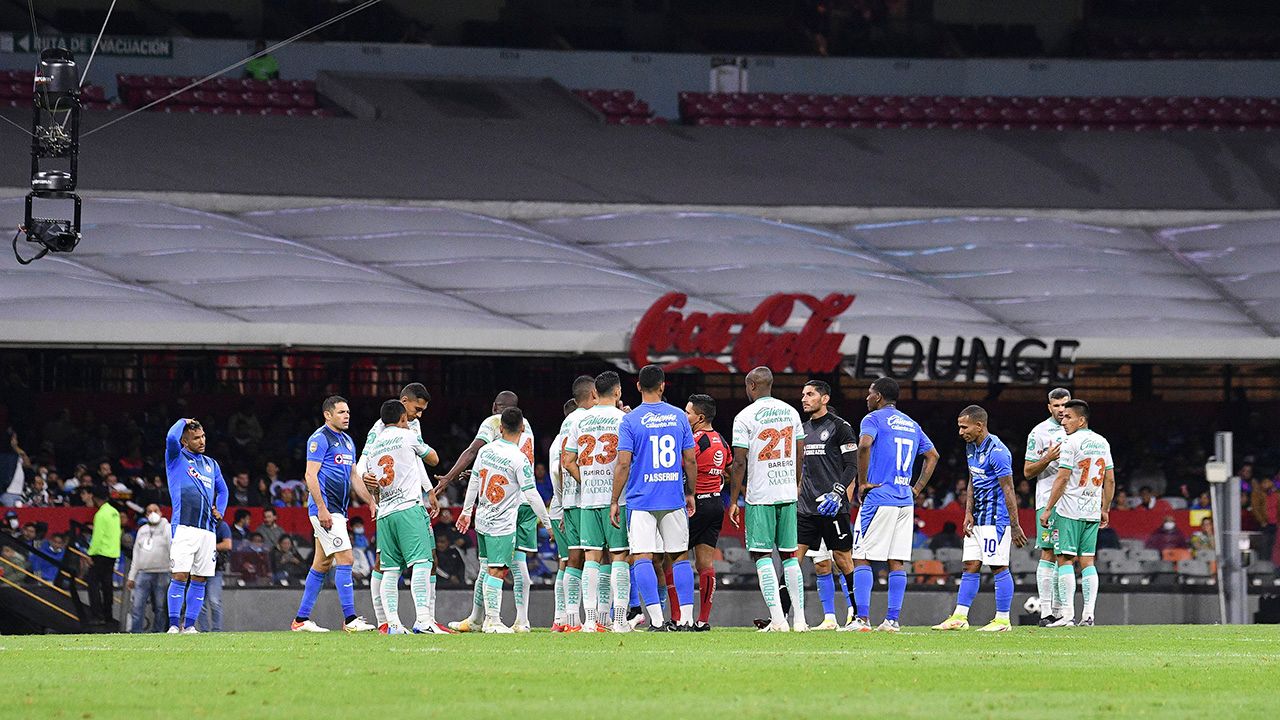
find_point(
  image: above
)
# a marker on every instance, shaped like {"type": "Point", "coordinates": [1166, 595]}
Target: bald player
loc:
{"type": "Point", "coordinates": [768, 444]}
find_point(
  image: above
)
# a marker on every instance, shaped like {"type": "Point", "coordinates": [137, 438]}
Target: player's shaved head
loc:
{"type": "Point", "coordinates": [975, 413]}
{"type": "Point", "coordinates": [512, 420]}
{"type": "Point", "coordinates": [505, 399]}
{"type": "Point", "coordinates": [391, 412]}
{"type": "Point", "coordinates": [759, 383]}
{"type": "Point", "coordinates": [584, 386]}
{"type": "Point", "coordinates": [570, 405]}
{"type": "Point", "coordinates": [415, 391]}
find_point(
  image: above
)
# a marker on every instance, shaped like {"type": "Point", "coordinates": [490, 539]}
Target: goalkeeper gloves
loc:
{"type": "Point", "coordinates": [829, 504]}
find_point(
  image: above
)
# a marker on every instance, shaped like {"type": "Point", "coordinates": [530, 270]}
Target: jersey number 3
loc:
{"type": "Point", "coordinates": [388, 465]}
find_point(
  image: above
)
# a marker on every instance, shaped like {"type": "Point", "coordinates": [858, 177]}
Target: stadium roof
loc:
{"type": "Point", "coordinates": [440, 279]}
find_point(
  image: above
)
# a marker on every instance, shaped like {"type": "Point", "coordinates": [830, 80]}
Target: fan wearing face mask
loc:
{"type": "Point", "coordinates": [149, 573]}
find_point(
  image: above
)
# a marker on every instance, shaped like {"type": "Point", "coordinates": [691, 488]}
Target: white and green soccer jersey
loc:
{"type": "Point", "coordinates": [1088, 455]}
{"type": "Point", "coordinates": [414, 425]}
{"type": "Point", "coordinates": [769, 428]}
{"type": "Point", "coordinates": [556, 509]}
{"type": "Point", "coordinates": [1042, 437]}
{"type": "Point", "coordinates": [394, 456]}
{"type": "Point", "coordinates": [503, 474]}
{"type": "Point", "coordinates": [491, 430]}
{"type": "Point", "coordinates": [594, 438]}
{"type": "Point", "coordinates": [570, 493]}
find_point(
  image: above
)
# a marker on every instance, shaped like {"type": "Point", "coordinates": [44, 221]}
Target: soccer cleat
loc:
{"type": "Point", "coordinates": [636, 617]}
{"type": "Point", "coordinates": [849, 616]}
{"type": "Point", "coordinates": [955, 622]}
{"type": "Point", "coordinates": [601, 628]}
{"type": "Point", "coordinates": [1086, 622]}
{"type": "Point", "coordinates": [889, 626]}
{"type": "Point", "coordinates": [571, 629]}
{"type": "Point", "coordinates": [190, 631]}
{"type": "Point", "coordinates": [520, 628]}
{"type": "Point", "coordinates": [760, 623]}
{"type": "Point", "coordinates": [828, 623]}
{"type": "Point", "coordinates": [557, 627]}
{"type": "Point", "coordinates": [359, 624]}
{"type": "Point", "coordinates": [667, 626]}
{"type": "Point", "coordinates": [587, 627]}
{"type": "Point", "coordinates": [307, 626]}
{"type": "Point", "coordinates": [1048, 620]}
{"type": "Point", "coordinates": [856, 625]}
{"type": "Point", "coordinates": [775, 627]}
{"type": "Point", "coordinates": [497, 629]}
{"type": "Point", "coordinates": [174, 630]}
{"type": "Point", "coordinates": [463, 626]}
{"type": "Point", "coordinates": [800, 626]}
{"type": "Point", "coordinates": [701, 627]}
{"type": "Point", "coordinates": [620, 626]}
{"type": "Point", "coordinates": [397, 630]}
{"type": "Point", "coordinates": [382, 629]}
{"type": "Point", "coordinates": [997, 625]}
{"type": "Point", "coordinates": [1065, 621]}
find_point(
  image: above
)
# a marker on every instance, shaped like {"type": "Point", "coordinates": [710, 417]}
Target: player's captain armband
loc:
{"type": "Point", "coordinates": [848, 447]}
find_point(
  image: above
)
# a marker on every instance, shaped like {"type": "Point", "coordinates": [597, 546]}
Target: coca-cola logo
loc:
{"type": "Point", "coordinates": [699, 339]}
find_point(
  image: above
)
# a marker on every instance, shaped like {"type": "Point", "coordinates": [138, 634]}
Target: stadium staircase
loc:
{"type": "Point", "coordinates": [31, 605]}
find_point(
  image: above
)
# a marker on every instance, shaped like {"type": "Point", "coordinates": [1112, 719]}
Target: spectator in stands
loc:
{"type": "Point", "coordinates": [1264, 506]}
{"type": "Point", "coordinates": [13, 477]}
{"type": "Point", "coordinates": [451, 571]}
{"type": "Point", "coordinates": [210, 619]}
{"type": "Point", "coordinates": [55, 548]}
{"type": "Point", "coordinates": [242, 494]}
{"type": "Point", "coordinates": [264, 67]}
{"type": "Point", "coordinates": [30, 534]}
{"type": "Point", "coordinates": [1201, 502]}
{"type": "Point", "coordinates": [288, 498]}
{"type": "Point", "coordinates": [1026, 496]}
{"type": "Point", "coordinates": [919, 539]}
{"type": "Point", "coordinates": [149, 572]}
{"type": "Point", "coordinates": [947, 538]}
{"type": "Point", "coordinates": [270, 531]}
{"type": "Point", "coordinates": [1202, 538]}
{"type": "Point", "coordinates": [14, 558]}
{"type": "Point", "coordinates": [1167, 536]}
{"type": "Point", "coordinates": [12, 526]}
{"type": "Point", "coordinates": [1146, 499]}
{"type": "Point", "coordinates": [287, 561]}
{"type": "Point", "coordinates": [243, 427]}
{"type": "Point", "coordinates": [1121, 500]}
{"type": "Point", "coordinates": [542, 481]}
{"type": "Point", "coordinates": [253, 563]}
{"type": "Point", "coordinates": [154, 491]}
{"type": "Point", "coordinates": [38, 494]}
{"type": "Point", "coordinates": [104, 552]}
{"type": "Point", "coordinates": [240, 529]}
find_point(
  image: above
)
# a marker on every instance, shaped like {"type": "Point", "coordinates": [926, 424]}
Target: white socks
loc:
{"type": "Point", "coordinates": [520, 587]}
{"type": "Point", "coordinates": [391, 595]}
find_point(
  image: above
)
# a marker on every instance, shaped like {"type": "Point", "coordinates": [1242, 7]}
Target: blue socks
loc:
{"type": "Point", "coordinates": [177, 591]}
{"type": "Point", "coordinates": [310, 591]}
{"type": "Point", "coordinates": [634, 600]}
{"type": "Point", "coordinates": [897, 589]}
{"type": "Point", "coordinates": [195, 601]}
{"type": "Point", "coordinates": [1004, 591]}
{"type": "Point", "coordinates": [863, 579]}
{"type": "Point", "coordinates": [647, 582]}
{"type": "Point", "coordinates": [827, 593]}
{"type": "Point", "coordinates": [346, 589]}
{"type": "Point", "coordinates": [682, 575]}
{"type": "Point", "coordinates": [969, 584]}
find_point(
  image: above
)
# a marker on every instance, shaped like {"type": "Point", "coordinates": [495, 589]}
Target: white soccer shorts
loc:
{"type": "Point", "coordinates": [819, 554]}
{"type": "Point", "coordinates": [886, 535]}
{"type": "Point", "coordinates": [658, 531]}
{"type": "Point", "coordinates": [989, 544]}
{"type": "Point", "coordinates": [193, 551]}
{"type": "Point", "coordinates": [335, 539]}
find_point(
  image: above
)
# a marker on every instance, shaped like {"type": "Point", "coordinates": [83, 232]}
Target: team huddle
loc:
{"type": "Point", "coordinates": [637, 504]}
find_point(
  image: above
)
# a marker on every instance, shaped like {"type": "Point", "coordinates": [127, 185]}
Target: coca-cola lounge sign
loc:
{"type": "Point", "coordinates": [737, 342]}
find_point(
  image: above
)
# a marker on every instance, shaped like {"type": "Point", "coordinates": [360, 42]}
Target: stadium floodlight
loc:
{"type": "Point", "coordinates": [55, 136]}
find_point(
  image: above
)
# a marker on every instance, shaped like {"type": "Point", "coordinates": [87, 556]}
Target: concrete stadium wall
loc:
{"type": "Point", "coordinates": [273, 609]}
{"type": "Point", "coordinates": [657, 78]}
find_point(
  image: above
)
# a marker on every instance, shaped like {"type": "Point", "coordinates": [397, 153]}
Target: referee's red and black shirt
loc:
{"type": "Point", "coordinates": [713, 460]}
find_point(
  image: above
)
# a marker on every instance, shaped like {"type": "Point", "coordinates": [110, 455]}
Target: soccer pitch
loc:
{"type": "Point", "coordinates": [1148, 671]}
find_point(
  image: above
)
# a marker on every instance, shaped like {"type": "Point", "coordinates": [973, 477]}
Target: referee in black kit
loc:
{"type": "Point", "coordinates": [830, 468]}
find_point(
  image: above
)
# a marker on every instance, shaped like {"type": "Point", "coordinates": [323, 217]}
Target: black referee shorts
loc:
{"type": "Point", "coordinates": [708, 518]}
{"type": "Point", "coordinates": [812, 530]}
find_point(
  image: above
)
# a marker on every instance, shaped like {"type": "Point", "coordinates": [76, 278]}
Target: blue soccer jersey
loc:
{"type": "Point", "coordinates": [336, 453]}
{"type": "Point", "coordinates": [896, 442]}
{"type": "Point", "coordinates": [989, 461]}
{"type": "Point", "coordinates": [196, 486]}
{"type": "Point", "coordinates": [656, 435]}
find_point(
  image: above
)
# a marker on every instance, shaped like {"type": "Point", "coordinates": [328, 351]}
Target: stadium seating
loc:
{"type": "Point", "coordinates": [16, 88]}
{"type": "Point", "coordinates": [620, 107]}
{"type": "Point", "coordinates": [988, 112]}
{"type": "Point", "coordinates": [223, 96]}
{"type": "Point", "coordinates": [929, 572]}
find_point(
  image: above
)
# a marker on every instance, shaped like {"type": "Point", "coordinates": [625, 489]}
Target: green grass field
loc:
{"type": "Point", "coordinates": [1151, 671]}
